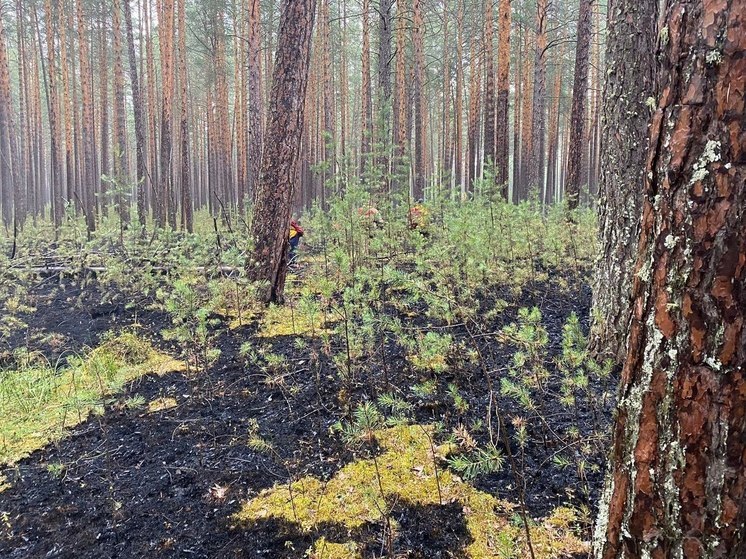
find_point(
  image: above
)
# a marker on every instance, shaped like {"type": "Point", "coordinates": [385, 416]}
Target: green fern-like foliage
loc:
{"type": "Point", "coordinates": [483, 460]}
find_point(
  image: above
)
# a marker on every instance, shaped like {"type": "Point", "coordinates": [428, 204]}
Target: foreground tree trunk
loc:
{"type": "Point", "coordinates": [630, 51]}
{"type": "Point", "coordinates": [677, 481]}
{"type": "Point", "coordinates": [274, 194]}
{"type": "Point", "coordinates": [577, 117]}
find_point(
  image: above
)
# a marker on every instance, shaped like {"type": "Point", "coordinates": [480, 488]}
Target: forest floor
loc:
{"type": "Point", "coordinates": [170, 477]}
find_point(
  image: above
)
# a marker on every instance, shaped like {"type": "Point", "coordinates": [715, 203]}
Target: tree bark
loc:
{"type": "Point", "coordinates": [366, 112]}
{"type": "Point", "coordinates": [420, 105]}
{"type": "Point", "coordinates": [489, 84]}
{"type": "Point", "coordinates": [9, 161]}
{"type": "Point", "coordinates": [121, 173]}
{"type": "Point", "coordinates": [256, 103]}
{"type": "Point", "coordinates": [138, 109]}
{"type": "Point", "coordinates": [458, 135]}
{"type": "Point", "coordinates": [577, 116]}
{"type": "Point", "coordinates": [677, 480]}
{"type": "Point", "coordinates": [274, 195]}
{"type": "Point", "coordinates": [503, 88]}
{"type": "Point", "coordinates": [472, 160]}
{"type": "Point", "coordinates": [630, 83]}
{"type": "Point", "coordinates": [538, 122]}
{"type": "Point", "coordinates": [165, 212]}
{"type": "Point", "coordinates": [56, 193]}
{"type": "Point", "coordinates": [402, 98]}
{"type": "Point", "coordinates": [89, 171]}
{"type": "Point", "coordinates": [187, 211]}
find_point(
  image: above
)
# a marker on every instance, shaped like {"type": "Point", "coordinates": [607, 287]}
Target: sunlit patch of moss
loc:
{"type": "Point", "coordinates": [161, 404]}
{"type": "Point", "coordinates": [330, 550]}
{"type": "Point", "coordinates": [288, 320]}
{"type": "Point", "coordinates": [3, 483]}
{"type": "Point", "coordinates": [38, 402]}
{"type": "Point", "coordinates": [353, 498]}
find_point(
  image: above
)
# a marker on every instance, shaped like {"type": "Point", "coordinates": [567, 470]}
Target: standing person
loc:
{"type": "Point", "coordinates": [295, 233]}
{"type": "Point", "coordinates": [418, 218]}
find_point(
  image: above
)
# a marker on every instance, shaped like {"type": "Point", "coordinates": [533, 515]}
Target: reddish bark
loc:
{"type": "Point", "coordinates": [274, 195]}
{"type": "Point", "coordinates": [680, 436]}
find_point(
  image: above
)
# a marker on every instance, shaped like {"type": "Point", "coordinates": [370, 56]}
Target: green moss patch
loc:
{"type": "Point", "coordinates": [286, 320]}
{"type": "Point", "coordinates": [352, 498]}
{"type": "Point", "coordinates": [38, 402]}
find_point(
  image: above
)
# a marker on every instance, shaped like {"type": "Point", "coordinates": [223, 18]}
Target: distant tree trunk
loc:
{"type": "Point", "coordinates": [187, 205]}
{"type": "Point", "coordinates": [120, 134]}
{"type": "Point", "coordinates": [56, 190]}
{"type": "Point", "coordinates": [517, 106]}
{"type": "Point", "coordinates": [420, 105]}
{"type": "Point", "coordinates": [489, 84]}
{"type": "Point", "coordinates": [577, 116]}
{"type": "Point", "coordinates": [402, 97]}
{"type": "Point", "coordinates": [9, 162]}
{"type": "Point", "coordinates": [366, 107]}
{"type": "Point", "coordinates": [527, 113]}
{"type": "Point", "coordinates": [343, 93]}
{"type": "Point", "coordinates": [553, 141]}
{"type": "Point", "coordinates": [274, 194]}
{"type": "Point", "coordinates": [503, 88]}
{"type": "Point", "coordinates": [240, 31]}
{"type": "Point", "coordinates": [472, 160]}
{"type": "Point", "coordinates": [677, 480]}
{"type": "Point", "coordinates": [66, 102]}
{"type": "Point", "coordinates": [166, 213]}
{"type": "Point", "coordinates": [138, 110]}
{"type": "Point", "coordinates": [89, 166]}
{"type": "Point", "coordinates": [538, 124]}
{"type": "Point", "coordinates": [458, 136]}
{"type": "Point", "coordinates": [155, 196]}
{"type": "Point", "coordinates": [37, 143]}
{"type": "Point", "coordinates": [385, 8]}
{"type": "Point", "coordinates": [630, 83]}
{"type": "Point", "coordinates": [328, 143]}
{"type": "Point", "coordinates": [594, 132]}
{"type": "Point", "coordinates": [104, 102]}
{"type": "Point", "coordinates": [445, 134]}
{"type": "Point", "coordinates": [25, 188]}
{"type": "Point", "coordinates": [256, 102]}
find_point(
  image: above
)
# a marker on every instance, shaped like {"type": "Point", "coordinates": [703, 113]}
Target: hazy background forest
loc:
{"type": "Point", "coordinates": [159, 106]}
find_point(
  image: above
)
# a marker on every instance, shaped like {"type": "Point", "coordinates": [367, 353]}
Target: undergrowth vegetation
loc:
{"type": "Point", "coordinates": [447, 358]}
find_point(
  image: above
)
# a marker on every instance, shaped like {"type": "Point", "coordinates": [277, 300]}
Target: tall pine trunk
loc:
{"type": "Point", "coordinates": [256, 103]}
{"type": "Point", "coordinates": [138, 110]}
{"type": "Point", "coordinates": [420, 105]}
{"type": "Point", "coordinates": [630, 83]}
{"type": "Point", "coordinates": [538, 123]}
{"type": "Point", "coordinates": [88, 174]}
{"type": "Point", "coordinates": [274, 195]}
{"type": "Point", "coordinates": [577, 115]}
{"type": "Point", "coordinates": [165, 212]}
{"type": "Point", "coordinates": [366, 103]}
{"type": "Point", "coordinates": [503, 88]}
{"type": "Point", "coordinates": [489, 84]}
{"type": "Point", "coordinates": [187, 212]}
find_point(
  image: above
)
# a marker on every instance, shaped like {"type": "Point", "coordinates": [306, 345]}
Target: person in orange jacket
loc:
{"type": "Point", "coordinates": [295, 233]}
